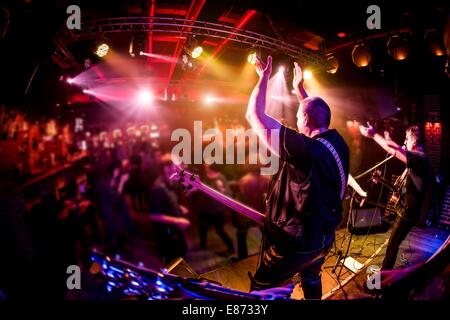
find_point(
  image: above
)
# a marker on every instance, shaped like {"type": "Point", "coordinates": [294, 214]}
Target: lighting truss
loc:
{"type": "Point", "coordinates": [94, 28]}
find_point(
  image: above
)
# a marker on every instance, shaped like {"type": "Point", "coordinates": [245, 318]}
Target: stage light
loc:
{"type": "Point", "coordinates": [69, 80]}
{"type": "Point", "coordinates": [307, 74]}
{"type": "Point", "coordinates": [361, 56]}
{"type": "Point", "coordinates": [196, 52]}
{"type": "Point", "coordinates": [333, 64]}
{"type": "Point", "coordinates": [209, 99]}
{"type": "Point", "coordinates": [281, 69]}
{"type": "Point", "coordinates": [398, 48]}
{"type": "Point", "coordinates": [86, 91]}
{"type": "Point", "coordinates": [193, 48]}
{"type": "Point", "coordinates": [144, 97]}
{"type": "Point", "coordinates": [102, 50]}
{"type": "Point", "coordinates": [251, 58]}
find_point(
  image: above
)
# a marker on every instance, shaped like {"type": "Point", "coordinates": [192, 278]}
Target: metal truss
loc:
{"type": "Point", "coordinates": [94, 28]}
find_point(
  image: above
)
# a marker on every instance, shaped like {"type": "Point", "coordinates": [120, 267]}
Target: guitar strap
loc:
{"type": "Point", "coordinates": [338, 162]}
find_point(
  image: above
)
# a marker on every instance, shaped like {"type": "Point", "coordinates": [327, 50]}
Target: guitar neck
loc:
{"type": "Point", "coordinates": [231, 203]}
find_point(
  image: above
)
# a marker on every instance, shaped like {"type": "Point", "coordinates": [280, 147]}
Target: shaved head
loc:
{"type": "Point", "coordinates": [313, 113]}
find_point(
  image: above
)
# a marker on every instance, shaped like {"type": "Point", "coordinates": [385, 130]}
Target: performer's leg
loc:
{"type": "Point", "coordinates": [270, 272]}
{"type": "Point", "coordinates": [399, 233]}
{"type": "Point", "coordinates": [276, 268]}
{"type": "Point", "coordinates": [311, 280]}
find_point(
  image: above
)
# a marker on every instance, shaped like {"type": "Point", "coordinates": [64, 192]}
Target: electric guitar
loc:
{"type": "Point", "coordinates": [395, 197]}
{"type": "Point", "coordinates": [192, 182]}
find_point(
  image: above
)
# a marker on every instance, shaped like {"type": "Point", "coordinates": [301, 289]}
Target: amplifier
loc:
{"type": "Point", "coordinates": [365, 218]}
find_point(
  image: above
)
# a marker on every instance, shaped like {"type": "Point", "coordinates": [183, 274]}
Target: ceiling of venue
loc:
{"type": "Point", "coordinates": [227, 30]}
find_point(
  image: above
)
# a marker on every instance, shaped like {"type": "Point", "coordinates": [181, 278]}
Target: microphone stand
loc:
{"type": "Point", "coordinates": [340, 254]}
{"type": "Point", "coordinates": [374, 167]}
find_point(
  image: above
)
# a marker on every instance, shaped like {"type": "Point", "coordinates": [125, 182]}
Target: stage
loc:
{"type": "Point", "coordinates": [146, 145]}
{"type": "Point", "coordinates": [339, 281]}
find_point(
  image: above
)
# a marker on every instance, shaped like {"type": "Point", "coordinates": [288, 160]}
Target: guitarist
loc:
{"type": "Point", "coordinates": [412, 184]}
{"type": "Point", "coordinates": [304, 204]}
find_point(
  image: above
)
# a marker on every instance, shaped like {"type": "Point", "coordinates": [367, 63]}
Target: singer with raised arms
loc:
{"type": "Point", "coordinates": [304, 204]}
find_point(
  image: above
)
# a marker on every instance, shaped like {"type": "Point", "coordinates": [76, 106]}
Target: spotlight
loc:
{"type": "Point", "coordinates": [102, 50]}
{"type": "Point", "coordinates": [86, 91]}
{"type": "Point", "coordinates": [209, 99]}
{"type": "Point", "coordinates": [361, 56]}
{"type": "Point", "coordinates": [144, 97]}
{"type": "Point", "coordinates": [281, 69]}
{"type": "Point", "coordinates": [69, 80]}
{"type": "Point", "coordinates": [193, 48]}
{"type": "Point", "coordinates": [196, 52]}
{"type": "Point", "coordinates": [333, 64]}
{"type": "Point", "coordinates": [398, 48]}
{"type": "Point", "coordinates": [307, 74]}
{"type": "Point", "coordinates": [251, 58]}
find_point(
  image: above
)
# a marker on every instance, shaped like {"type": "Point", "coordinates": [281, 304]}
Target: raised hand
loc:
{"type": "Point", "coordinates": [368, 131]}
{"type": "Point", "coordinates": [297, 82]}
{"type": "Point", "coordinates": [264, 70]}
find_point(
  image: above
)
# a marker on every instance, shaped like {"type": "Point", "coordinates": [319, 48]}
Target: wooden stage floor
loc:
{"type": "Point", "coordinates": [339, 281]}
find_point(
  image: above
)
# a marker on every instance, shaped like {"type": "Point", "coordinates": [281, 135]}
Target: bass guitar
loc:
{"type": "Point", "coordinates": [192, 182]}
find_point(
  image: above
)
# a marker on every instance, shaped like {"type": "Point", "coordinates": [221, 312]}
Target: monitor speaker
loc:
{"type": "Point", "coordinates": [365, 218]}
{"type": "Point", "coordinates": [180, 267]}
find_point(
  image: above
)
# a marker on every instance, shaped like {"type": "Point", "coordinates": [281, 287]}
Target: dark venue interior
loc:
{"type": "Point", "coordinates": [128, 169]}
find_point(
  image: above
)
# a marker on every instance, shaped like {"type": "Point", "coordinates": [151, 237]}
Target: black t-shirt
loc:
{"type": "Point", "coordinates": [414, 184]}
{"type": "Point", "coordinates": [304, 204]}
